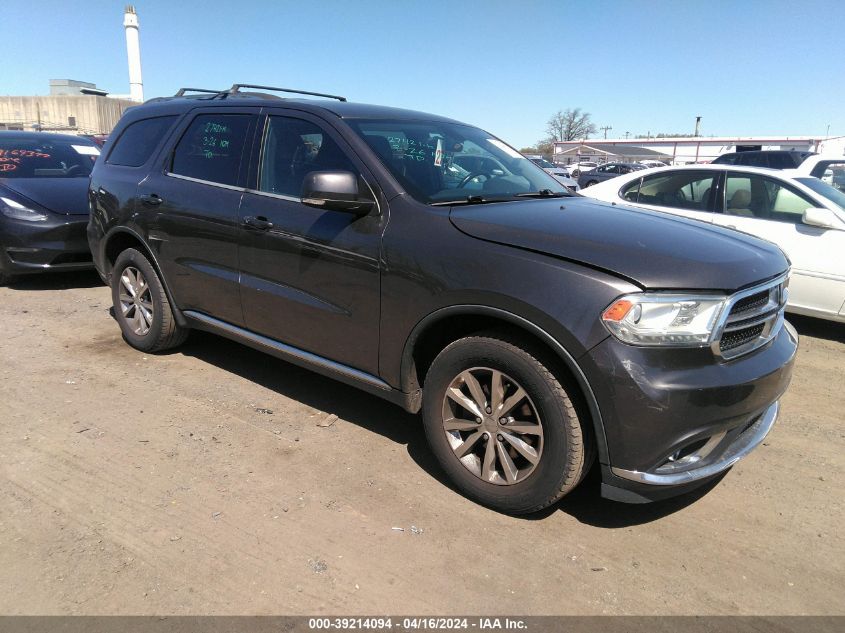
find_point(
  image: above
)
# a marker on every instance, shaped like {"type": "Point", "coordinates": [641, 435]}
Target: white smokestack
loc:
{"type": "Point", "coordinates": [133, 52]}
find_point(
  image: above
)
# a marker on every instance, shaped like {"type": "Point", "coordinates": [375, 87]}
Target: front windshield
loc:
{"type": "Point", "coordinates": [440, 162]}
{"type": "Point", "coordinates": [824, 189]}
{"type": "Point", "coordinates": [45, 157]}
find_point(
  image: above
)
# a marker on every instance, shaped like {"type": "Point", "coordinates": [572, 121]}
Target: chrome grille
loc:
{"type": "Point", "coordinates": [752, 318]}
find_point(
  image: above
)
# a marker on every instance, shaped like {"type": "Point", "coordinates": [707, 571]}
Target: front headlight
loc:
{"type": "Point", "coordinates": [15, 210]}
{"type": "Point", "coordinates": [664, 320]}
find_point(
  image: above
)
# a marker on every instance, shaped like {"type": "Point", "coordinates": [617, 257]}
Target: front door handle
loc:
{"type": "Point", "coordinates": [151, 199]}
{"type": "Point", "coordinates": [259, 223]}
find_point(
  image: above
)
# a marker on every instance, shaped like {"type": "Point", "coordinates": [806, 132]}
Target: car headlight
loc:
{"type": "Point", "coordinates": [658, 319]}
{"type": "Point", "coordinates": [15, 210]}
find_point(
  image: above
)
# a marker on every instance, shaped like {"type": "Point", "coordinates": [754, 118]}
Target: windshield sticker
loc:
{"type": "Point", "coordinates": [506, 149]}
{"type": "Point", "coordinates": [438, 154]}
{"type": "Point", "coordinates": [86, 150]}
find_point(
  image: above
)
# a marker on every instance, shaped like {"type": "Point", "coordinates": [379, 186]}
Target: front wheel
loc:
{"type": "Point", "coordinates": [502, 425]}
{"type": "Point", "coordinates": [591, 183]}
{"type": "Point", "coordinates": [141, 306]}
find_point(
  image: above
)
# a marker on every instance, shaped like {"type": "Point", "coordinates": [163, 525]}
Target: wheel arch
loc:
{"type": "Point", "coordinates": [122, 238]}
{"type": "Point", "coordinates": [446, 325]}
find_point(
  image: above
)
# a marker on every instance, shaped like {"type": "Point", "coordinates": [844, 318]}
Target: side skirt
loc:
{"type": "Point", "coordinates": [343, 373]}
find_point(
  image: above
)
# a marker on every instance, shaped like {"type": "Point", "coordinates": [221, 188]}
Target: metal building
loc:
{"type": "Point", "coordinates": [700, 149]}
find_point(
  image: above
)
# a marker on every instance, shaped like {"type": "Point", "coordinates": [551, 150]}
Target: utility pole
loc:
{"type": "Point", "coordinates": [605, 128]}
{"type": "Point", "coordinates": [697, 125]}
{"type": "Point", "coordinates": [627, 134]}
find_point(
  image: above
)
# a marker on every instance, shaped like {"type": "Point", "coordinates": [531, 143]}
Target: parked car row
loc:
{"type": "Point", "coordinates": [429, 263]}
{"type": "Point", "coordinates": [606, 172]}
{"type": "Point", "coordinates": [558, 173]}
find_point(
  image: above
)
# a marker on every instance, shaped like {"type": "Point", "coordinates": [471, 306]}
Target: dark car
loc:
{"type": "Point", "coordinates": [775, 159]}
{"type": "Point", "coordinates": [606, 172]}
{"type": "Point", "coordinates": [535, 330]}
{"type": "Point", "coordinates": [44, 202]}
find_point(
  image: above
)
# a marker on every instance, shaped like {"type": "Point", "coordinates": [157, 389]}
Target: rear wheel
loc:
{"type": "Point", "coordinates": [591, 183]}
{"type": "Point", "coordinates": [141, 306]}
{"type": "Point", "coordinates": [502, 426]}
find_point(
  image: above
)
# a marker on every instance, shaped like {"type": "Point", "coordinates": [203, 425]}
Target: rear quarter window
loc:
{"type": "Point", "coordinates": [136, 144]}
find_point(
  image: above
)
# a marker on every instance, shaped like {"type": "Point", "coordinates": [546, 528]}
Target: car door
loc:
{"type": "Point", "coordinates": [770, 208]}
{"type": "Point", "coordinates": [690, 193]}
{"type": "Point", "coordinates": [310, 277]}
{"type": "Point", "coordinates": [192, 207]}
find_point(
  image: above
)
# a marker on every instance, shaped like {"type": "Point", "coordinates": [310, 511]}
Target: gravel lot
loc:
{"type": "Point", "coordinates": [217, 480]}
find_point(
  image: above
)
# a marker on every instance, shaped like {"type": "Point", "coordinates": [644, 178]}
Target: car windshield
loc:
{"type": "Point", "coordinates": [44, 157]}
{"type": "Point", "coordinates": [824, 189]}
{"type": "Point", "coordinates": [441, 162]}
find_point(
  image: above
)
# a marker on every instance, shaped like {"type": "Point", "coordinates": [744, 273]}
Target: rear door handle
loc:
{"type": "Point", "coordinates": [259, 223]}
{"type": "Point", "coordinates": [151, 199]}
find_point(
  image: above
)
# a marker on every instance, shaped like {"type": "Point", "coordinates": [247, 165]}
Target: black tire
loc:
{"type": "Point", "coordinates": [566, 449]}
{"type": "Point", "coordinates": [163, 332]}
{"type": "Point", "coordinates": [591, 183]}
{"type": "Point", "coordinates": [5, 279]}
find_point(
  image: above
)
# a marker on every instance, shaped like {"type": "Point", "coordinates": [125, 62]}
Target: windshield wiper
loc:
{"type": "Point", "coordinates": [543, 193]}
{"type": "Point", "coordinates": [468, 200]}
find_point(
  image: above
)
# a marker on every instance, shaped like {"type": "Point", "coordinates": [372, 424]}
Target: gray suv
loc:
{"type": "Point", "coordinates": [539, 333]}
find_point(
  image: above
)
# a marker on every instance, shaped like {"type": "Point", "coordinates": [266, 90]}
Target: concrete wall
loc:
{"type": "Point", "coordinates": [93, 114]}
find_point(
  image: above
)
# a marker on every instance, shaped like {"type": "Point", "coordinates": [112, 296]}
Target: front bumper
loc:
{"type": "Point", "coordinates": [58, 243]}
{"type": "Point", "coordinates": [676, 419]}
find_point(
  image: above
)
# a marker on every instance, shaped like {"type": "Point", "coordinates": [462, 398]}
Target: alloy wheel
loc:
{"type": "Point", "coordinates": [136, 302]}
{"type": "Point", "coordinates": [492, 426]}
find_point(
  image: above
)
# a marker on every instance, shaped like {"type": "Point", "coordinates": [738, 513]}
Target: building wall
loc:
{"type": "Point", "coordinates": [82, 114]}
{"type": "Point", "coordinates": [702, 149]}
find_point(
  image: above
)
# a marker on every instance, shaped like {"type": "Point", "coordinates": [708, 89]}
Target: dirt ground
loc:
{"type": "Point", "coordinates": [217, 480]}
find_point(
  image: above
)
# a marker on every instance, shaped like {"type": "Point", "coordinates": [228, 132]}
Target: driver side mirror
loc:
{"type": "Point", "coordinates": [821, 217]}
{"type": "Point", "coordinates": [335, 191]}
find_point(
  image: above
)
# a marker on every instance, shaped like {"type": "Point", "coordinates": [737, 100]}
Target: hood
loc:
{"type": "Point", "coordinates": [66, 196]}
{"type": "Point", "coordinates": [654, 250]}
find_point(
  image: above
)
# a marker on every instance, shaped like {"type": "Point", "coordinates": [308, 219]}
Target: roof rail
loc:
{"type": "Point", "coordinates": [181, 92]}
{"type": "Point", "coordinates": [235, 89]}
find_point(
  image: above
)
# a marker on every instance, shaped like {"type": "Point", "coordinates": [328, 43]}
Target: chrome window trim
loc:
{"type": "Point", "coordinates": [205, 182]}
{"type": "Point", "coordinates": [279, 196]}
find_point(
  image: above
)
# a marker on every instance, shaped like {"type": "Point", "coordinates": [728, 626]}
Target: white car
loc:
{"type": "Point", "coordinates": [558, 173]}
{"type": "Point", "coordinates": [803, 215]}
{"type": "Point", "coordinates": [831, 169]}
{"type": "Point", "coordinates": [575, 169]}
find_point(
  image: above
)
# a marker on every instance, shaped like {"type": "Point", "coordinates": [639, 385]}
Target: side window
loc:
{"type": "Point", "coordinates": [136, 144]}
{"type": "Point", "coordinates": [211, 148]}
{"type": "Point", "coordinates": [781, 161]}
{"type": "Point", "coordinates": [631, 191]}
{"type": "Point", "coordinates": [292, 148]}
{"type": "Point", "coordinates": [680, 189]}
{"type": "Point", "coordinates": [832, 172]}
{"type": "Point", "coordinates": [753, 196]}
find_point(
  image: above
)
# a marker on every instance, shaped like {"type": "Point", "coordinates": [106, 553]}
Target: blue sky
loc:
{"type": "Point", "coordinates": [747, 67]}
